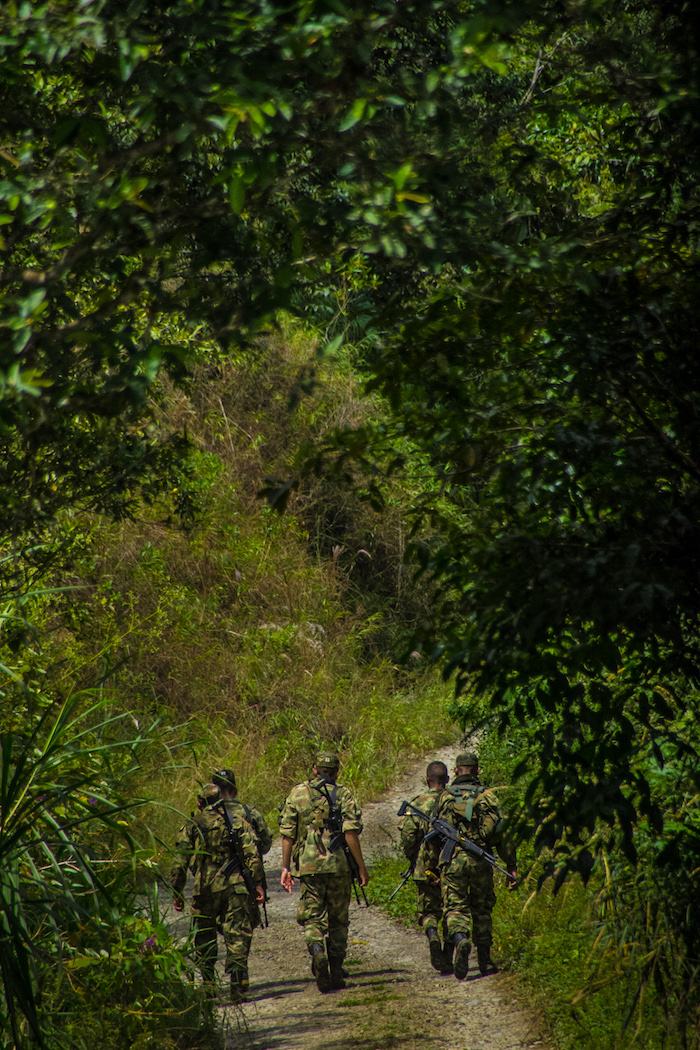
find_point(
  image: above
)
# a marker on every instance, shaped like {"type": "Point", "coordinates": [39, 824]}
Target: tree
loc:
{"type": "Point", "coordinates": [171, 175]}
{"type": "Point", "coordinates": [559, 403]}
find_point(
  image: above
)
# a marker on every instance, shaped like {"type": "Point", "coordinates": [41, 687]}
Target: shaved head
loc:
{"type": "Point", "coordinates": [436, 773]}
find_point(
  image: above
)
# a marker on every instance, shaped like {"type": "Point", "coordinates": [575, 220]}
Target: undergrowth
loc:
{"type": "Point", "coordinates": [588, 982]}
{"type": "Point", "coordinates": [240, 637]}
{"type": "Point", "coordinates": [588, 988]}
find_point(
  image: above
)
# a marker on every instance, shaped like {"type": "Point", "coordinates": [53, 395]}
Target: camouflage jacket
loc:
{"type": "Point", "coordinates": [257, 822]}
{"type": "Point", "coordinates": [475, 811]}
{"type": "Point", "coordinates": [423, 856]}
{"type": "Point", "coordinates": [304, 819]}
{"type": "Point", "coordinates": [202, 847]}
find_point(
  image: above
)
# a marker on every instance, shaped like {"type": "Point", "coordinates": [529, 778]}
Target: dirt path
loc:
{"type": "Point", "coordinates": [393, 997]}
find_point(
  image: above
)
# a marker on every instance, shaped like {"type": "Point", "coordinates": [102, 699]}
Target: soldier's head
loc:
{"type": "Point", "coordinates": [467, 762]}
{"type": "Point", "coordinates": [436, 775]}
{"type": "Point", "coordinates": [327, 765]}
{"type": "Point", "coordinates": [207, 795]}
{"type": "Point", "coordinates": [225, 780]}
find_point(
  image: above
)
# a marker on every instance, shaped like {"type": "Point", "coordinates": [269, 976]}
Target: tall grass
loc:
{"type": "Point", "coordinates": [80, 954]}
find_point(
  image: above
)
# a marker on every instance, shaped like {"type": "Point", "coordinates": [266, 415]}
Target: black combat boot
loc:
{"type": "Point", "coordinates": [320, 968]}
{"type": "Point", "coordinates": [239, 985]}
{"type": "Point", "coordinates": [329, 951]}
{"type": "Point", "coordinates": [435, 947]}
{"type": "Point", "coordinates": [337, 971]}
{"type": "Point", "coordinates": [486, 963]}
{"type": "Point", "coordinates": [462, 948]}
{"type": "Point", "coordinates": [447, 967]}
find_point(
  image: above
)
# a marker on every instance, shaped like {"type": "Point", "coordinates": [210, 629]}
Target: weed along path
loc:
{"type": "Point", "coordinates": [393, 997]}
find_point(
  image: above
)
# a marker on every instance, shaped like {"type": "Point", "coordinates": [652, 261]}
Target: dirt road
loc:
{"type": "Point", "coordinates": [393, 997]}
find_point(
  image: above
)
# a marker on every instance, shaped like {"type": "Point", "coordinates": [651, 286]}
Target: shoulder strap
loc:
{"type": "Point", "coordinates": [334, 822]}
{"type": "Point", "coordinates": [330, 796]}
{"type": "Point", "coordinates": [250, 818]}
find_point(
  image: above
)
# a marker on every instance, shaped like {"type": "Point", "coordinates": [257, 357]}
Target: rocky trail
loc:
{"type": "Point", "coordinates": [393, 996]}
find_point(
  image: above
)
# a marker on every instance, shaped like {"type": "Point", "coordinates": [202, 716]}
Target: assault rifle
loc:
{"type": "Point", "coordinates": [236, 864]}
{"type": "Point", "coordinates": [263, 881]}
{"type": "Point", "coordinates": [452, 839]}
{"type": "Point", "coordinates": [333, 823]}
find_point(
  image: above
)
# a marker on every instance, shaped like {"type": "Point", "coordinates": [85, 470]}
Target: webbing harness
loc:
{"type": "Point", "coordinates": [469, 792]}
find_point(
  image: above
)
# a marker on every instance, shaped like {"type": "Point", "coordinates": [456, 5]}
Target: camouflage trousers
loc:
{"type": "Point", "coordinates": [429, 912]}
{"type": "Point", "coordinates": [232, 914]}
{"type": "Point", "coordinates": [324, 910]}
{"type": "Point", "coordinates": [468, 891]}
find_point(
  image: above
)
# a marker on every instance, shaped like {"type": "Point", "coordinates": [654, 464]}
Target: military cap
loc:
{"type": "Point", "coordinates": [327, 760]}
{"type": "Point", "coordinates": [467, 758]}
{"type": "Point", "coordinates": [208, 793]}
{"type": "Point", "coordinates": [224, 778]}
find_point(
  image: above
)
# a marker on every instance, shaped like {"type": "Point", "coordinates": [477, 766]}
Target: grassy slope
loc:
{"type": "Point", "coordinates": [266, 637]}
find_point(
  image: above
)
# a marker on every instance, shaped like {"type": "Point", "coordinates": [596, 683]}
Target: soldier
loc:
{"type": "Point", "coordinates": [249, 813]}
{"type": "Point", "coordinates": [263, 835]}
{"type": "Point", "coordinates": [467, 881]}
{"type": "Point", "coordinates": [423, 858]}
{"type": "Point", "coordinates": [207, 795]}
{"type": "Point", "coordinates": [228, 900]}
{"type": "Point", "coordinates": [317, 815]}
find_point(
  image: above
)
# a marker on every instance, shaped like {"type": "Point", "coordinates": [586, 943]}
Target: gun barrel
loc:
{"type": "Point", "coordinates": [405, 876]}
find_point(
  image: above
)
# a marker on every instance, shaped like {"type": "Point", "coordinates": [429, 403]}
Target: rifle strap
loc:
{"type": "Point", "coordinates": [330, 797]}
{"type": "Point", "coordinates": [233, 833]}
{"type": "Point", "coordinates": [251, 819]}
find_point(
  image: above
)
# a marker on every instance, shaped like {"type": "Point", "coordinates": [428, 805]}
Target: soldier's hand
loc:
{"type": "Point", "coordinates": [178, 902]}
{"type": "Point", "coordinates": [259, 895]}
{"type": "Point", "coordinates": [513, 880]}
{"type": "Point", "coordinates": [364, 875]}
{"type": "Point", "coordinates": [287, 880]}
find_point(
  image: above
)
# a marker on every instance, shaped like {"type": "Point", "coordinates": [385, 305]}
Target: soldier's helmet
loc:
{"type": "Point", "coordinates": [467, 758]}
{"type": "Point", "coordinates": [208, 794]}
{"type": "Point", "coordinates": [224, 778]}
{"type": "Point", "coordinates": [327, 762]}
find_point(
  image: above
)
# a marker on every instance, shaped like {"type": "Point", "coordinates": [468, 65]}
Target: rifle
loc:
{"type": "Point", "coordinates": [333, 823]}
{"type": "Point", "coordinates": [263, 881]}
{"type": "Point", "coordinates": [237, 864]}
{"type": "Point", "coordinates": [452, 839]}
{"type": "Point", "coordinates": [405, 876]}
{"type": "Point", "coordinates": [354, 868]}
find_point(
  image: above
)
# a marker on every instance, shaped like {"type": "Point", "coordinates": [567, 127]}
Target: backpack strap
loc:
{"type": "Point", "coordinates": [471, 793]}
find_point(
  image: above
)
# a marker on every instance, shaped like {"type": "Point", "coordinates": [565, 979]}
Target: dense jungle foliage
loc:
{"type": "Point", "coordinates": [426, 275]}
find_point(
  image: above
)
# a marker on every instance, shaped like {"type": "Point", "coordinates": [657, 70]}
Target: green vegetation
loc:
{"type": "Point", "coordinates": [486, 215]}
{"type": "Point", "coordinates": [232, 638]}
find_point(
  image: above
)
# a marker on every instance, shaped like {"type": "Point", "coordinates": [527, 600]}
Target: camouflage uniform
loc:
{"type": "Point", "coordinates": [424, 857]}
{"type": "Point", "coordinates": [326, 885]}
{"type": "Point", "coordinates": [467, 882]}
{"type": "Point", "coordinates": [257, 822]}
{"type": "Point", "coordinates": [217, 900]}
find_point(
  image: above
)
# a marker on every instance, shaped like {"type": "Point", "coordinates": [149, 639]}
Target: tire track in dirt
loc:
{"type": "Point", "coordinates": [394, 999]}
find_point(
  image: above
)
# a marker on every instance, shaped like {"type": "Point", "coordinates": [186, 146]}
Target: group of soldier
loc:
{"type": "Point", "coordinates": [320, 822]}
